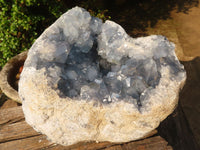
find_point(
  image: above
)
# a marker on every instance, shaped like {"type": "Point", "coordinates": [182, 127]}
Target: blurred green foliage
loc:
{"type": "Point", "coordinates": [22, 21]}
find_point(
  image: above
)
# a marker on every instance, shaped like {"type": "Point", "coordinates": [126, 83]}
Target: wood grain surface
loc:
{"type": "Point", "coordinates": [16, 134]}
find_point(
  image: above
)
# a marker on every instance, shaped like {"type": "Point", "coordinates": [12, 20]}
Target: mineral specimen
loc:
{"type": "Point", "coordinates": [85, 80]}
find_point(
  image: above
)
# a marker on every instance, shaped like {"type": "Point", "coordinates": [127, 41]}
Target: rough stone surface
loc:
{"type": "Point", "coordinates": [85, 80]}
{"type": "Point", "coordinates": [8, 83]}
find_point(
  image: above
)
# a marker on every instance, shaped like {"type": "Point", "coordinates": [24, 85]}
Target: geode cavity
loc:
{"type": "Point", "coordinates": [85, 80]}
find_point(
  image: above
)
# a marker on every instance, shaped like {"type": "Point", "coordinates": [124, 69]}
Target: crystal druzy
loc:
{"type": "Point", "coordinates": [87, 80]}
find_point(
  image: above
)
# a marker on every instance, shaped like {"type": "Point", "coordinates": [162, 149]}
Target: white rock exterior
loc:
{"type": "Point", "coordinates": [85, 80]}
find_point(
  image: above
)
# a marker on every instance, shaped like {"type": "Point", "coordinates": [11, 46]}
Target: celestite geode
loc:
{"type": "Point", "coordinates": [85, 80]}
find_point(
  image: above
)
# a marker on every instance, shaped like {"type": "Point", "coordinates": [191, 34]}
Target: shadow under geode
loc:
{"type": "Point", "coordinates": [182, 128]}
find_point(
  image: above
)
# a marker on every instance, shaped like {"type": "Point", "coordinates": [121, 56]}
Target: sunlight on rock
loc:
{"type": "Point", "coordinates": [86, 80]}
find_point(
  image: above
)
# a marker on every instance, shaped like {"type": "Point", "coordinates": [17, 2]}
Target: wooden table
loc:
{"type": "Point", "coordinates": [16, 134]}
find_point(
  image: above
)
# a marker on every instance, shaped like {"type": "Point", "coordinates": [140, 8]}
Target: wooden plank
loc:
{"type": "Point", "coordinates": [22, 130]}
{"type": "Point", "coordinates": [32, 143]}
{"type": "Point", "coordinates": [19, 133]}
{"type": "Point", "coordinates": [9, 104]}
{"type": "Point", "coordinates": [16, 131]}
{"type": "Point", "coordinates": [115, 147]}
{"type": "Point", "coordinates": [11, 115]}
{"type": "Point", "coordinates": [153, 143]}
{"type": "Point", "coordinates": [190, 97]}
{"type": "Point", "coordinates": [40, 142]}
{"type": "Point", "coordinates": [82, 145]}
{"type": "Point", "coordinates": [176, 130]}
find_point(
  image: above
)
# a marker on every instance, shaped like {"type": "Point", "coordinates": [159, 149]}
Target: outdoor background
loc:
{"type": "Point", "coordinates": [22, 21]}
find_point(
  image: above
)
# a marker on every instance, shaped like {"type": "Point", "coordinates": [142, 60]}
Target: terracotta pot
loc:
{"type": "Point", "coordinates": [8, 76]}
